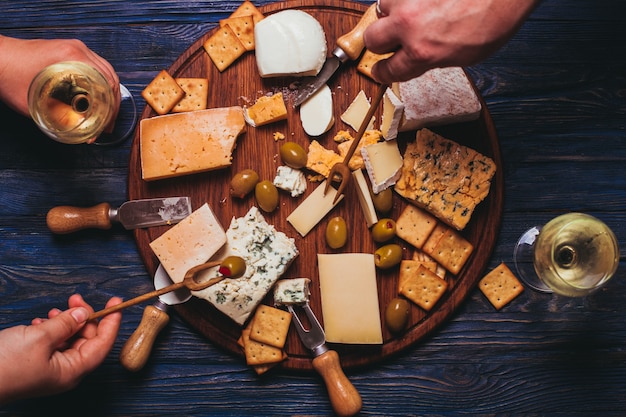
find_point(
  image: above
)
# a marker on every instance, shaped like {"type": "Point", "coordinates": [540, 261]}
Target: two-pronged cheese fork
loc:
{"type": "Point", "coordinates": [344, 397]}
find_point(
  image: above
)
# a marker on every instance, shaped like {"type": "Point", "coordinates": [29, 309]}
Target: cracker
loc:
{"type": "Point", "coordinates": [415, 225]}
{"type": "Point", "coordinates": [424, 288]}
{"type": "Point", "coordinates": [196, 94]}
{"type": "Point", "coordinates": [500, 286]}
{"type": "Point", "coordinates": [419, 255]}
{"type": "Point", "coordinates": [258, 353]}
{"type": "Point", "coordinates": [368, 60]}
{"type": "Point", "coordinates": [270, 325]}
{"type": "Point", "coordinates": [162, 93]}
{"type": "Point", "coordinates": [243, 27]}
{"type": "Point", "coordinates": [448, 248]}
{"type": "Point", "coordinates": [409, 267]}
{"type": "Point", "coordinates": [248, 9]}
{"type": "Point", "coordinates": [224, 47]}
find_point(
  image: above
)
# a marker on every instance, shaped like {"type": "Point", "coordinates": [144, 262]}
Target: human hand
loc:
{"type": "Point", "coordinates": [53, 355]}
{"type": "Point", "coordinates": [424, 34]}
{"type": "Point", "coordinates": [22, 59]}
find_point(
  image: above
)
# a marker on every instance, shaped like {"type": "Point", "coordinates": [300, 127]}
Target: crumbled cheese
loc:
{"type": "Point", "coordinates": [292, 180]}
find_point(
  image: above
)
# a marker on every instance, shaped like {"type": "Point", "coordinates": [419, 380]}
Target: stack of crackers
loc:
{"type": "Point", "coordinates": [263, 339]}
{"type": "Point", "coordinates": [165, 93]}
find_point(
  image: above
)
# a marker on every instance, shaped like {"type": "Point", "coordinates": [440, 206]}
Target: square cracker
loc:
{"type": "Point", "coordinates": [196, 94]}
{"type": "Point", "coordinates": [224, 47]}
{"type": "Point", "coordinates": [448, 248]}
{"type": "Point", "coordinates": [409, 267]}
{"type": "Point", "coordinates": [163, 93]}
{"type": "Point", "coordinates": [424, 288]}
{"type": "Point", "coordinates": [248, 9]}
{"type": "Point", "coordinates": [368, 60]}
{"type": "Point", "coordinates": [415, 225]}
{"type": "Point", "coordinates": [258, 353]}
{"type": "Point", "coordinates": [500, 286]}
{"type": "Point", "coordinates": [243, 27]}
{"type": "Point", "coordinates": [270, 325]}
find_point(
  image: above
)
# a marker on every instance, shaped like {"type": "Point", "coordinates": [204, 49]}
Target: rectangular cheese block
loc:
{"type": "Point", "coordinates": [350, 298]}
{"type": "Point", "coordinates": [383, 162]}
{"type": "Point", "coordinates": [189, 243]}
{"type": "Point", "coordinates": [292, 291]}
{"type": "Point", "coordinates": [440, 96]}
{"type": "Point", "coordinates": [445, 178]}
{"type": "Point", "coordinates": [189, 142]}
{"type": "Point", "coordinates": [365, 198]}
{"type": "Point", "coordinates": [313, 209]}
{"type": "Point", "coordinates": [267, 253]}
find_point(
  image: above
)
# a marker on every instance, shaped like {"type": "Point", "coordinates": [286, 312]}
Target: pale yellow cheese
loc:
{"type": "Point", "coordinates": [189, 142]}
{"type": "Point", "coordinates": [365, 198]}
{"type": "Point", "coordinates": [350, 298]}
{"type": "Point", "coordinates": [383, 162]}
{"type": "Point", "coordinates": [189, 243]}
{"type": "Point", "coordinates": [356, 112]}
{"type": "Point", "coordinates": [313, 209]}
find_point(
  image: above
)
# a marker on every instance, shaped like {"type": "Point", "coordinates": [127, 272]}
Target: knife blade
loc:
{"type": "Point", "coordinates": [136, 350]}
{"type": "Point", "coordinates": [132, 214]}
{"type": "Point", "coordinates": [349, 47]}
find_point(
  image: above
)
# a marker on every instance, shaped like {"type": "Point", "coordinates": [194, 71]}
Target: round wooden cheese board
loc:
{"type": "Point", "coordinates": [240, 84]}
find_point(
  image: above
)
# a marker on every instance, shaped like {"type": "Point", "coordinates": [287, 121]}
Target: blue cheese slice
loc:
{"type": "Point", "coordinates": [292, 291]}
{"type": "Point", "coordinates": [290, 179]}
{"type": "Point", "coordinates": [267, 253]}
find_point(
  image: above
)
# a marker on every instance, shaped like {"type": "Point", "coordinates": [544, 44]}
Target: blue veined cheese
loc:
{"type": "Point", "coordinates": [289, 179]}
{"type": "Point", "coordinates": [267, 253]}
{"type": "Point", "coordinates": [292, 291]}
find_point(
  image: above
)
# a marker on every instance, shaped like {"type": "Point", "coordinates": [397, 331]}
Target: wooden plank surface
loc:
{"type": "Point", "coordinates": [556, 95]}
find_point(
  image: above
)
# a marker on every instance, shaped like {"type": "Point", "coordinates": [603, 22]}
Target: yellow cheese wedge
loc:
{"type": "Point", "coordinates": [190, 142]}
{"type": "Point", "coordinates": [313, 209]}
{"type": "Point", "coordinates": [350, 298]}
{"type": "Point", "coordinates": [356, 112]}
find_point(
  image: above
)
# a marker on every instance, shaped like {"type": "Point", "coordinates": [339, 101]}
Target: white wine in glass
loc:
{"type": "Point", "coordinates": [73, 103]}
{"type": "Point", "coordinates": [573, 255]}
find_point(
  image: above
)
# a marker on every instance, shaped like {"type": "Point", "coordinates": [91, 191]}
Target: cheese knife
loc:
{"type": "Point", "coordinates": [349, 47]}
{"type": "Point", "coordinates": [132, 214]}
{"type": "Point", "coordinates": [136, 350]}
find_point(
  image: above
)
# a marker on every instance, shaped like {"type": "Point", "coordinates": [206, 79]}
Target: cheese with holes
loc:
{"type": "Point", "coordinates": [190, 142]}
{"type": "Point", "coordinates": [383, 162]}
{"type": "Point", "coordinates": [316, 113]}
{"type": "Point", "coordinates": [292, 291]}
{"type": "Point", "coordinates": [189, 243]}
{"type": "Point", "coordinates": [349, 295]}
{"type": "Point", "coordinates": [356, 112]}
{"type": "Point", "coordinates": [393, 110]}
{"type": "Point", "coordinates": [439, 96]}
{"type": "Point", "coordinates": [447, 179]}
{"type": "Point", "coordinates": [267, 253]}
{"type": "Point", "coordinates": [313, 209]}
{"type": "Point", "coordinates": [289, 43]}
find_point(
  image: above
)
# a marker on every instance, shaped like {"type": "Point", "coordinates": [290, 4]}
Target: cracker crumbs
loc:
{"type": "Point", "coordinates": [278, 136]}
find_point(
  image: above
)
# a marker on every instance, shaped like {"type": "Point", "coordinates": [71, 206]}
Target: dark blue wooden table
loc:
{"type": "Point", "coordinates": [557, 94]}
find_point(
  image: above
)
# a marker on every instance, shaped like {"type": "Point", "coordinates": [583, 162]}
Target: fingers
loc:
{"type": "Point", "coordinates": [63, 326]}
{"type": "Point", "coordinates": [398, 67]}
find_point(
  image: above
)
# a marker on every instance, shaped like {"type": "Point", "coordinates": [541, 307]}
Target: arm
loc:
{"type": "Point", "coordinates": [53, 355]}
{"type": "Point", "coordinates": [426, 34]}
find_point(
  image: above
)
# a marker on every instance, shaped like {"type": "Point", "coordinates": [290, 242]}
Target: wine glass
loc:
{"type": "Point", "coordinates": [73, 103]}
{"type": "Point", "coordinates": [573, 254]}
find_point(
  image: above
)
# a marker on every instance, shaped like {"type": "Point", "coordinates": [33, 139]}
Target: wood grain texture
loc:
{"type": "Point", "coordinates": [556, 95]}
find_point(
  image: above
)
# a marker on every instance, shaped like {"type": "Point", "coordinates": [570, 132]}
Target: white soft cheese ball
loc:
{"type": "Point", "coordinates": [289, 43]}
{"type": "Point", "coordinates": [316, 113]}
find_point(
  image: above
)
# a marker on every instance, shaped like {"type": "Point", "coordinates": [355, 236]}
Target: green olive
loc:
{"type": "Point", "coordinates": [243, 183]}
{"type": "Point", "coordinates": [397, 315]}
{"type": "Point", "coordinates": [266, 195]}
{"type": "Point", "coordinates": [293, 155]}
{"type": "Point", "coordinates": [232, 267]}
{"type": "Point", "coordinates": [383, 201]}
{"type": "Point", "coordinates": [336, 232]}
{"type": "Point", "coordinates": [384, 230]}
{"type": "Point", "coordinates": [388, 256]}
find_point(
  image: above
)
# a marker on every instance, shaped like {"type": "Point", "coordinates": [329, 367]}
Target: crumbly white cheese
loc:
{"type": "Point", "coordinates": [291, 291]}
{"type": "Point", "coordinates": [290, 42]}
{"type": "Point", "coordinates": [267, 253]}
{"type": "Point", "coordinates": [289, 179]}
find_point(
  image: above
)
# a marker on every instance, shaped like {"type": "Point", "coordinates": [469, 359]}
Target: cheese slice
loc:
{"type": "Point", "coordinates": [190, 142]}
{"type": "Point", "coordinates": [365, 198]}
{"type": "Point", "coordinates": [383, 162]}
{"type": "Point", "coordinates": [356, 112]}
{"type": "Point", "coordinates": [316, 113]}
{"type": "Point", "coordinates": [313, 209]}
{"type": "Point", "coordinates": [189, 243]}
{"type": "Point", "coordinates": [266, 110]}
{"type": "Point", "coordinates": [350, 298]}
{"type": "Point", "coordinates": [289, 43]}
{"type": "Point", "coordinates": [292, 291]}
{"type": "Point", "coordinates": [393, 110]}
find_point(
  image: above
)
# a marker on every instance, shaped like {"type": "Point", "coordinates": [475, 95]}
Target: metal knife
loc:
{"type": "Point", "coordinates": [133, 214]}
{"type": "Point", "coordinates": [349, 46]}
{"type": "Point", "coordinates": [136, 350]}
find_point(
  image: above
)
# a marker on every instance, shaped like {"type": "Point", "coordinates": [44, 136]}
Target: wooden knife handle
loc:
{"type": "Point", "coordinates": [352, 42]}
{"type": "Point", "coordinates": [68, 219]}
{"type": "Point", "coordinates": [344, 397]}
{"type": "Point", "coordinates": [136, 350]}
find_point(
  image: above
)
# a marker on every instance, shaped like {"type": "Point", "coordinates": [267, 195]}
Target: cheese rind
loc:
{"type": "Point", "coordinates": [349, 295]}
{"type": "Point", "coordinates": [190, 142]}
{"type": "Point", "coordinates": [383, 162]}
{"type": "Point", "coordinates": [289, 43]}
{"type": "Point", "coordinates": [267, 253]}
{"type": "Point", "coordinates": [189, 243]}
{"type": "Point", "coordinates": [393, 110]}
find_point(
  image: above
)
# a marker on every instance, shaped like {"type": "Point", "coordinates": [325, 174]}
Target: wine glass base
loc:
{"type": "Point", "coordinates": [523, 256]}
{"type": "Point", "coordinates": [125, 122]}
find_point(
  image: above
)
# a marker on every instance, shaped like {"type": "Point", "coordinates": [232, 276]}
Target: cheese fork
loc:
{"type": "Point", "coordinates": [344, 398]}
{"type": "Point", "coordinates": [341, 171]}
